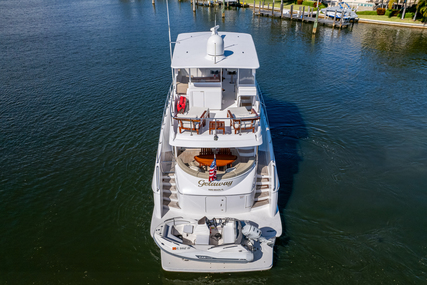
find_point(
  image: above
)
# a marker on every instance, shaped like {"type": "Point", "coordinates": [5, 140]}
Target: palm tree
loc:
{"type": "Point", "coordinates": [422, 9]}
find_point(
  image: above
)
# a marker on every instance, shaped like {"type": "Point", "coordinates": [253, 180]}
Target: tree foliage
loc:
{"type": "Point", "coordinates": [390, 4]}
{"type": "Point", "coordinates": [422, 8]}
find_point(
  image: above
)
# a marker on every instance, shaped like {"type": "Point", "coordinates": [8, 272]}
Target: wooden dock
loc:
{"type": "Point", "coordinates": [302, 15]}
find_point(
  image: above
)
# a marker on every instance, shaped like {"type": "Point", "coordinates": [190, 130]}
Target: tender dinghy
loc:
{"type": "Point", "coordinates": [216, 240]}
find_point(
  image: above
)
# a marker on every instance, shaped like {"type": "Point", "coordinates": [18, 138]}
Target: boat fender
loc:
{"type": "Point", "coordinates": [180, 106]}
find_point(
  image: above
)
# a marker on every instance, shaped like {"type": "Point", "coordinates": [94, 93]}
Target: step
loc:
{"type": "Point", "coordinates": [263, 176]}
{"type": "Point", "coordinates": [170, 188]}
{"type": "Point", "coordinates": [166, 184]}
{"type": "Point", "coordinates": [170, 196]}
{"type": "Point", "coordinates": [168, 177]}
{"type": "Point", "coordinates": [168, 168]}
{"type": "Point", "coordinates": [262, 195]}
{"type": "Point", "coordinates": [171, 204]}
{"type": "Point", "coordinates": [262, 187]}
{"type": "Point", "coordinates": [260, 203]}
{"type": "Point", "coordinates": [263, 182]}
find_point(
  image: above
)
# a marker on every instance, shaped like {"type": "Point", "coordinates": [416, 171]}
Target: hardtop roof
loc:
{"type": "Point", "coordinates": [191, 51]}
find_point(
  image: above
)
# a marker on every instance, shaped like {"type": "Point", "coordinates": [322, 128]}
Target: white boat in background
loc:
{"type": "Point", "coordinates": [214, 111]}
{"type": "Point", "coordinates": [341, 10]}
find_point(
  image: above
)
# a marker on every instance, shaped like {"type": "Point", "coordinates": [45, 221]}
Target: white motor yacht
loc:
{"type": "Point", "coordinates": [215, 182]}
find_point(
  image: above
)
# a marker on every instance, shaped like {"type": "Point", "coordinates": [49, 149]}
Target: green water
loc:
{"type": "Point", "coordinates": [82, 87]}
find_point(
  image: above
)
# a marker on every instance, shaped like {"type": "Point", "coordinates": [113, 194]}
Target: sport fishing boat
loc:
{"type": "Point", "coordinates": [341, 10]}
{"type": "Point", "coordinates": [215, 182]}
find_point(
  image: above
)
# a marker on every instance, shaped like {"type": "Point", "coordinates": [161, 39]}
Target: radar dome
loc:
{"type": "Point", "coordinates": [215, 43]}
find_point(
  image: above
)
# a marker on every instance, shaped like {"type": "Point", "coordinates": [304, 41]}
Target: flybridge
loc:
{"type": "Point", "coordinates": [214, 75]}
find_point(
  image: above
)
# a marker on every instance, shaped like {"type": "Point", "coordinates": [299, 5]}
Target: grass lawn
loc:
{"type": "Point", "coordinates": [386, 18]}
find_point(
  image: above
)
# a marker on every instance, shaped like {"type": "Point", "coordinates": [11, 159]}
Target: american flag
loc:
{"type": "Point", "coordinates": [212, 170]}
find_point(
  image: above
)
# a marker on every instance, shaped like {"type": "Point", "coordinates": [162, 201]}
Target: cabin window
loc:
{"type": "Point", "coordinates": [246, 76]}
{"type": "Point", "coordinates": [182, 75]}
{"type": "Point", "coordinates": [205, 75]}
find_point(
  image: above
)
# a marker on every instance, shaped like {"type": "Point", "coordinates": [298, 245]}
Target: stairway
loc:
{"type": "Point", "coordinates": [170, 196]}
{"type": "Point", "coordinates": [262, 191]}
{"type": "Point", "coordinates": [263, 183]}
{"type": "Point", "coordinates": [246, 101]}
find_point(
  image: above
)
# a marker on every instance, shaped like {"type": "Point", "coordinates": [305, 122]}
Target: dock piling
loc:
{"type": "Point", "coordinates": [335, 18]}
{"type": "Point", "coordinates": [223, 9]}
{"type": "Point", "coordinates": [292, 11]}
{"type": "Point", "coordinates": [281, 9]}
{"type": "Point", "coordinates": [254, 8]}
{"type": "Point", "coordinates": [315, 21]}
{"type": "Point", "coordinates": [272, 10]}
{"type": "Point", "coordinates": [303, 11]}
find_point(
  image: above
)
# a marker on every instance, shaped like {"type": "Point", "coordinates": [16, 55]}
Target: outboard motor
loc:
{"type": "Point", "coordinates": [254, 234]}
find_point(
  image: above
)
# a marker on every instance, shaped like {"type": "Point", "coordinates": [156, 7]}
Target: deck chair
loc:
{"type": "Point", "coordinates": [241, 119]}
{"type": "Point", "coordinates": [193, 120]}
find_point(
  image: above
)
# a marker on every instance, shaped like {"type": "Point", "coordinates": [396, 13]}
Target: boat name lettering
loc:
{"type": "Point", "coordinates": [214, 183]}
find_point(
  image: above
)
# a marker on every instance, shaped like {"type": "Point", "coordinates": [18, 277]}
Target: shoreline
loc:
{"type": "Point", "coordinates": [391, 23]}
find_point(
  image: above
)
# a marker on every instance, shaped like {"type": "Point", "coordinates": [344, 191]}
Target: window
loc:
{"type": "Point", "coordinates": [246, 76]}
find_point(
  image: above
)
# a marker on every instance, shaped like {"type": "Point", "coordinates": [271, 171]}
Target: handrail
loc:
{"type": "Point", "coordinates": [261, 100]}
{"type": "Point", "coordinates": [274, 185]}
{"type": "Point", "coordinates": [159, 167]}
{"type": "Point", "coordinates": [252, 116]}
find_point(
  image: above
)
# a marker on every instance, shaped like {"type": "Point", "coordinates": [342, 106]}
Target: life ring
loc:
{"type": "Point", "coordinates": [180, 106]}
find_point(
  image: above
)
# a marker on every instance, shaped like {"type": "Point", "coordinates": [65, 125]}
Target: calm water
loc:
{"type": "Point", "coordinates": [82, 86]}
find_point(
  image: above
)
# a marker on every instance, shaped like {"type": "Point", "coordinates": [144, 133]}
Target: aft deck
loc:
{"type": "Point", "coordinates": [242, 161]}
